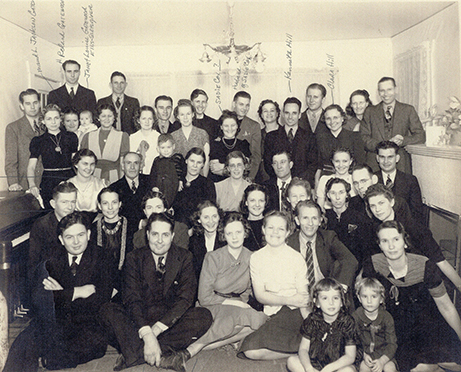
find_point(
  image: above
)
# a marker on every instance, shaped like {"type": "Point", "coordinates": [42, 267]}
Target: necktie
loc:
{"type": "Point", "coordinates": [310, 264]}
{"type": "Point", "coordinates": [389, 182]}
{"type": "Point", "coordinates": [388, 114]}
{"type": "Point", "coordinates": [72, 93]}
{"type": "Point", "coordinates": [117, 103]}
{"type": "Point", "coordinates": [161, 265]}
{"type": "Point", "coordinates": [74, 265]}
{"type": "Point", "coordinates": [290, 135]}
{"type": "Point", "coordinates": [36, 128]}
{"type": "Point", "coordinates": [133, 186]}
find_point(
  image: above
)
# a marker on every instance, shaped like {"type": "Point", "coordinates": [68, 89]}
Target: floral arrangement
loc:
{"type": "Point", "coordinates": [451, 120]}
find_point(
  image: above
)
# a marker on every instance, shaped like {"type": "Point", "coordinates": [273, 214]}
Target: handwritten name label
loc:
{"type": "Point", "coordinates": [289, 57]}
{"type": "Point", "coordinates": [330, 62]}
{"type": "Point", "coordinates": [241, 78]}
{"type": "Point", "coordinates": [217, 82]}
{"type": "Point", "coordinates": [33, 35]}
{"type": "Point", "coordinates": [88, 40]}
{"type": "Point", "coordinates": [62, 31]}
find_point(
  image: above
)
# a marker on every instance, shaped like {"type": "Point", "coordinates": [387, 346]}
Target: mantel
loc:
{"type": "Point", "coordinates": [438, 170]}
{"type": "Point", "coordinates": [445, 152]}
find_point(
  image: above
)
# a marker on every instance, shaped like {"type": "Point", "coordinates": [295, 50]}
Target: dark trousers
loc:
{"type": "Point", "coordinates": [123, 333]}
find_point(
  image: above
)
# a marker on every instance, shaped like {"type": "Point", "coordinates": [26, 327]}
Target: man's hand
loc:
{"type": "Point", "coordinates": [15, 187]}
{"type": "Point", "coordinates": [368, 361]}
{"type": "Point", "coordinates": [51, 284]}
{"type": "Point", "coordinates": [84, 291]}
{"type": "Point", "coordinates": [398, 139]}
{"type": "Point", "coordinates": [152, 351]}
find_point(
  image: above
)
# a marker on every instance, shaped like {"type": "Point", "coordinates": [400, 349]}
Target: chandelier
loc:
{"type": "Point", "coordinates": [233, 55]}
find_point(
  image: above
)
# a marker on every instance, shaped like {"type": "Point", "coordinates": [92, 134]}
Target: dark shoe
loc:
{"type": "Point", "coordinates": [175, 361]}
{"type": "Point", "coordinates": [120, 363]}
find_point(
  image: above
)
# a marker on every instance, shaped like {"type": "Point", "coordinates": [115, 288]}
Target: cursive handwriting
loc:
{"type": "Point", "coordinates": [217, 82]}
{"type": "Point", "coordinates": [289, 57]}
{"type": "Point", "coordinates": [330, 62]}
{"type": "Point", "coordinates": [62, 31]}
{"type": "Point", "coordinates": [88, 40]}
{"type": "Point", "coordinates": [33, 36]}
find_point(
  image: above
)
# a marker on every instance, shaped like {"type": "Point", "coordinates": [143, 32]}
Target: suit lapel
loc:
{"type": "Point", "coordinates": [320, 251]}
{"type": "Point", "coordinates": [150, 269]}
{"type": "Point", "coordinates": [380, 120]}
{"type": "Point", "coordinates": [397, 118]}
{"type": "Point", "coordinates": [171, 267]}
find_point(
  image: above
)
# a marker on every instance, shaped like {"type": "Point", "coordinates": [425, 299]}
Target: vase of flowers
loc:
{"type": "Point", "coordinates": [451, 120]}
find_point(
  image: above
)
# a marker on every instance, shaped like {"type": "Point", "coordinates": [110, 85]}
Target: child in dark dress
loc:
{"type": "Point", "coordinates": [375, 328]}
{"type": "Point", "coordinates": [329, 335]}
{"type": "Point", "coordinates": [168, 170]}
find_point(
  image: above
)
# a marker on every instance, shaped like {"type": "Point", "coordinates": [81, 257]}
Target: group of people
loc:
{"type": "Point", "coordinates": [304, 240]}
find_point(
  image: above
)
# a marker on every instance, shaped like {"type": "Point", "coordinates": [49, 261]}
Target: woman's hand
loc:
{"type": "Point", "coordinates": [216, 167]}
{"type": "Point", "coordinates": [298, 300]}
{"type": "Point", "coordinates": [34, 190]}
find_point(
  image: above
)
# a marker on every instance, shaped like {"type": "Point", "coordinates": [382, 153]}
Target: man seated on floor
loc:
{"type": "Point", "coordinates": [402, 184]}
{"type": "Point", "coordinates": [158, 295]}
{"type": "Point", "coordinates": [73, 283]}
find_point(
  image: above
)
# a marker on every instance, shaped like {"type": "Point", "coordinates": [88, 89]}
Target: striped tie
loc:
{"type": "Point", "coordinates": [310, 264]}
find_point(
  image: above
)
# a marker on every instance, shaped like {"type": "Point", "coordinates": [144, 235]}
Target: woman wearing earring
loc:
{"type": "Point", "coordinates": [226, 143]}
{"type": "Point", "coordinates": [55, 147]}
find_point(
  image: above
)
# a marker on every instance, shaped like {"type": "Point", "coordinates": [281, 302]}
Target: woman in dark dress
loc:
{"type": "Point", "coordinates": [226, 143]}
{"type": "Point", "coordinates": [55, 147]}
{"type": "Point", "coordinates": [253, 207]}
{"type": "Point", "coordinates": [269, 113]}
{"type": "Point", "coordinates": [196, 189]}
{"type": "Point", "coordinates": [427, 324]}
{"type": "Point", "coordinates": [205, 237]}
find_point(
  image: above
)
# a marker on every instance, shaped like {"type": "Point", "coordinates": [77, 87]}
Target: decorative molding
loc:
{"type": "Point", "coordinates": [445, 152]}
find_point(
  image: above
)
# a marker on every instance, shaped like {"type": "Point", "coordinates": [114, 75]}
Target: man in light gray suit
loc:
{"type": "Point", "coordinates": [391, 120]}
{"type": "Point", "coordinates": [18, 135]}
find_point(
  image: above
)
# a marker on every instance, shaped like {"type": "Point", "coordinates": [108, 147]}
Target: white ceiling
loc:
{"type": "Point", "coordinates": [195, 22]}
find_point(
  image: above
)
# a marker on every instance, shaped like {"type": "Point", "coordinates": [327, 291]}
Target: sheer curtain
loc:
{"type": "Point", "coordinates": [413, 74]}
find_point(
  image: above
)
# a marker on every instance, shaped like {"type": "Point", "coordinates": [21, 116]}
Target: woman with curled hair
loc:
{"type": "Point", "coordinates": [189, 136]}
{"type": "Point", "coordinates": [269, 113]}
{"type": "Point", "coordinates": [88, 186]}
{"type": "Point", "coordinates": [253, 206]}
{"type": "Point", "coordinates": [229, 192]}
{"type": "Point", "coordinates": [427, 324]}
{"type": "Point", "coordinates": [196, 189]}
{"type": "Point", "coordinates": [109, 145]}
{"type": "Point", "coordinates": [55, 147]}
{"type": "Point", "coordinates": [225, 143]}
{"type": "Point", "coordinates": [205, 237]}
{"type": "Point", "coordinates": [145, 140]}
{"type": "Point", "coordinates": [353, 227]}
{"type": "Point", "coordinates": [358, 102]}
{"type": "Point", "coordinates": [224, 289]}
{"type": "Point", "coordinates": [337, 137]}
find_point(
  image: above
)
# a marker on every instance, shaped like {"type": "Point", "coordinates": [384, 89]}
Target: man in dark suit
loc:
{"type": "Point", "coordinates": [299, 142]}
{"type": "Point", "coordinates": [313, 120]}
{"type": "Point", "coordinates": [362, 179]}
{"type": "Point", "coordinates": [199, 100]}
{"type": "Point", "coordinates": [18, 135]}
{"type": "Point", "coordinates": [73, 284]}
{"type": "Point", "coordinates": [72, 94]}
{"type": "Point", "coordinates": [329, 256]}
{"type": "Point", "coordinates": [43, 241]}
{"type": "Point", "coordinates": [127, 107]}
{"type": "Point", "coordinates": [278, 184]}
{"type": "Point", "coordinates": [250, 130]}
{"type": "Point", "coordinates": [131, 189]}
{"type": "Point", "coordinates": [159, 291]}
{"type": "Point", "coordinates": [393, 121]}
{"type": "Point", "coordinates": [402, 184]}
{"type": "Point", "coordinates": [163, 108]}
